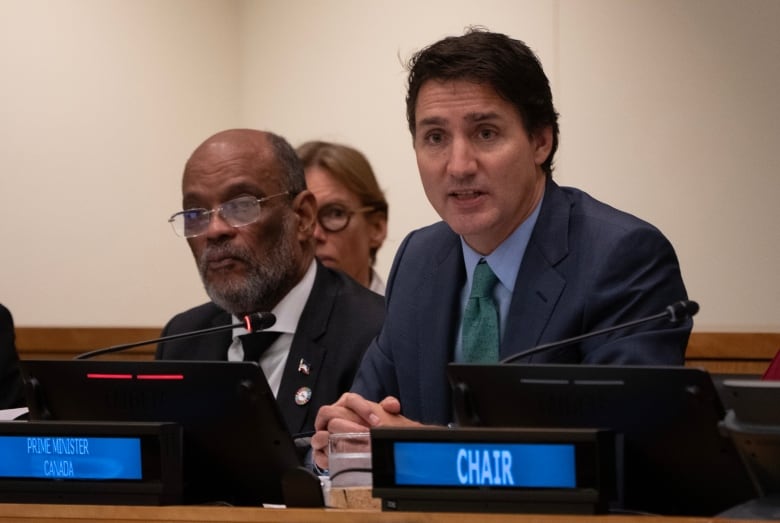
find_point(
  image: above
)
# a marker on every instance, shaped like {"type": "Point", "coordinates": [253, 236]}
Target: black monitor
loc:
{"type": "Point", "coordinates": [674, 459]}
{"type": "Point", "coordinates": [753, 423]}
{"type": "Point", "coordinates": [236, 447]}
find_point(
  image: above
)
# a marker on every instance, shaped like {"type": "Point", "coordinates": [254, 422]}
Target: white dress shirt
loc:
{"type": "Point", "coordinates": [287, 312]}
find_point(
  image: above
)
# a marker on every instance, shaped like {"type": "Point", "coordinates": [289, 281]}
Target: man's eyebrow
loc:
{"type": "Point", "coordinates": [438, 121]}
{"type": "Point", "coordinates": [244, 188]}
{"type": "Point", "coordinates": [481, 117]}
{"type": "Point", "coordinates": [192, 200]}
{"type": "Point", "coordinates": [431, 121]}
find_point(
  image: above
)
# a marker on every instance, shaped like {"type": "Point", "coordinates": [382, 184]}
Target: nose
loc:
{"type": "Point", "coordinates": [320, 235]}
{"type": "Point", "coordinates": [461, 161]}
{"type": "Point", "coordinates": [218, 227]}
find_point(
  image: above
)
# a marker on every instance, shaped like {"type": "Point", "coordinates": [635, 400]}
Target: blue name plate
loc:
{"type": "Point", "coordinates": [463, 464]}
{"type": "Point", "coordinates": [70, 458]}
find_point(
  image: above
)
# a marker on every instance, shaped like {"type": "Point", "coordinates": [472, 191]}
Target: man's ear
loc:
{"type": "Point", "coordinates": [305, 207]}
{"type": "Point", "coordinates": [542, 141]}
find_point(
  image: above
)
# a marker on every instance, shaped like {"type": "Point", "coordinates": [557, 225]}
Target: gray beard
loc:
{"type": "Point", "coordinates": [266, 283]}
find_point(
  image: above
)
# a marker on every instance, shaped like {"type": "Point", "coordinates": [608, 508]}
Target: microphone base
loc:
{"type": "Point", "coordinates": [760, 508]}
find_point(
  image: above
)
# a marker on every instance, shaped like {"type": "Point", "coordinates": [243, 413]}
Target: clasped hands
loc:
{"type": "Point", "coordinates": [353, 413]}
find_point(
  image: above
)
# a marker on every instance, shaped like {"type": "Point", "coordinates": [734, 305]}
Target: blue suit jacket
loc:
{"type": "Point", "coordinates": [587, 266]}
{"type": "Point", "coordinates": [337, 324]}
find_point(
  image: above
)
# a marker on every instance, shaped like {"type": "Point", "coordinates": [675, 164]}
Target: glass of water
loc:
{"type": "Point", "coordinates": [349, 459]}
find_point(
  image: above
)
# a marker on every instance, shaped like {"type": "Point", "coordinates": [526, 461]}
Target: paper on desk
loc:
{"type": "Point", "coordinates": [11, 414]}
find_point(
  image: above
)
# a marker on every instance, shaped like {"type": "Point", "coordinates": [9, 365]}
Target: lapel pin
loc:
{"type": "Point", "coordinates": [303, 367]}
{"type": "Point", "coordinates": [302, 396]}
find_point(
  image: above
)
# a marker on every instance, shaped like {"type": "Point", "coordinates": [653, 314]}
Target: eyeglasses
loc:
{"type": "Point", "coordinates": [335, 217]}
{"type": "Point", "coordinates": [237, 212]}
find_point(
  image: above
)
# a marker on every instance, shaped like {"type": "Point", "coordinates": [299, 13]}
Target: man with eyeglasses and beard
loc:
{"type": "Point", "coordinates": [249, 221]}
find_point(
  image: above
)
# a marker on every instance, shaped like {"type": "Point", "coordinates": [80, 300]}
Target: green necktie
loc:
{"type": "Point", "coordinates": [480, 319]}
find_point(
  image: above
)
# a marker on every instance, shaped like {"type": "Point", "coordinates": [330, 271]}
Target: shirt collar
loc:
{"type": "Point", "coordinates": [505, 260]}
{"type": "Point", "coordinates": [377, 283]}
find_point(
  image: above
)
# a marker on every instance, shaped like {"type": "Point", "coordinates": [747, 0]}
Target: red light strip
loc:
{"type": "Point", "coordinates": [160, 376]}
{"type": "Point", "coordinates": [96, 376]}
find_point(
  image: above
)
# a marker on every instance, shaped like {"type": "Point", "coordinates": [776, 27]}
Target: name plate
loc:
{"type": "Point", "coordinates": [494, 470]}
{"type": "Point", "coordinates": [80, 462]}
{"type": "Point", "coordinates": [478, 464]}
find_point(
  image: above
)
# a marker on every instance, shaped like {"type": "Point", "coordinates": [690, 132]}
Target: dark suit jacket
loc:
{"type": "Point", "coordinates": [337, 324]}
{"type": "Point", "coordinates": [11, 392]}
{"type": "Point", "coordinates": [587, 266]}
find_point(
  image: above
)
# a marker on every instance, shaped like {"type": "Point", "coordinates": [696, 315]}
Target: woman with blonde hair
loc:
{"type": "Point", "coordinates": [352, 210]}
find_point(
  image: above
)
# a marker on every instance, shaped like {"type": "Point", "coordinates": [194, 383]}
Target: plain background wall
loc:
{"type": "Point", "coordinates": [668, 111]}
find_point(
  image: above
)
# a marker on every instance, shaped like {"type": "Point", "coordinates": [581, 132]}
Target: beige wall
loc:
{"type": "Point", "coordinates": [667, 109]}
{"type": "Point", "coordinates": [101, 101]}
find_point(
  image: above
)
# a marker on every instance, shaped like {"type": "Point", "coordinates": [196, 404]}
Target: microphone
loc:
{"type": "Point", "coordinates": [252, 322]}
{"type": "Point", "coordinates": [675, 313]}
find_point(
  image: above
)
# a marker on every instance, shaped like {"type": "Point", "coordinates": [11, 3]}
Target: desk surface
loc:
{"type": "Point", "coordinates": [20, 513]}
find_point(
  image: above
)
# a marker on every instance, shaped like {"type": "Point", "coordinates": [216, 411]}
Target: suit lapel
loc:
{"type": "Point", "coordinates": [539, 285]}
{"type": "Point", "coordinates": [213, 346]}
{"type": "Point", "coordinates": [437, 326]}
{"type": "Point", "coordinates": [304, 363]}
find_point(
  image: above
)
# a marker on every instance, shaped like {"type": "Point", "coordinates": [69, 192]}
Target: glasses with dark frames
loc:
{"type": "Point", "coordinates": [335, 218]}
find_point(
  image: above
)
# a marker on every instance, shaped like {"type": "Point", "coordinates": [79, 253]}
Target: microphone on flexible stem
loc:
{"type": "Point", "coordinates": [675, 313]}
{"type": "Point", "coordinates": [252, 322]}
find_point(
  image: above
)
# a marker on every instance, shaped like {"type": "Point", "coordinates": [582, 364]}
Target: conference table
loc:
{"type": "Point", "coordinates": [63, 513]}
{"type": "Point", "coordinates": [21, 513]}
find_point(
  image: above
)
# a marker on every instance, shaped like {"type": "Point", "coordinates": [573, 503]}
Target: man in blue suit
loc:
{"type": "Point", "coordinates": [485, 132]}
